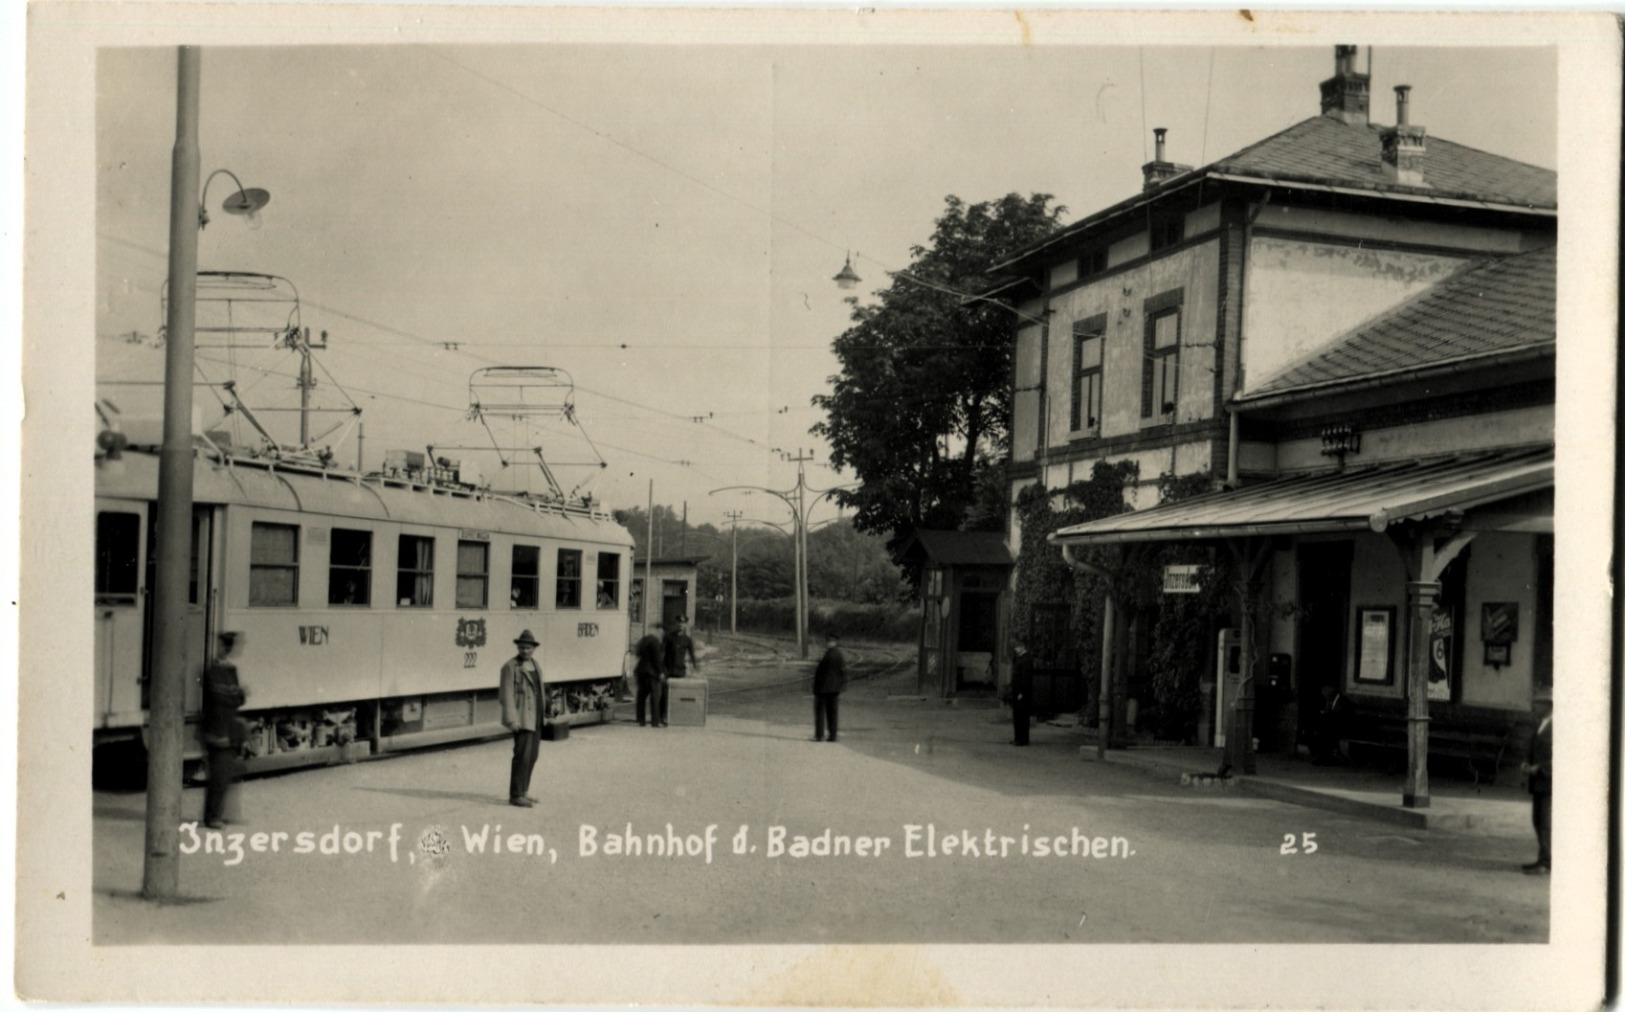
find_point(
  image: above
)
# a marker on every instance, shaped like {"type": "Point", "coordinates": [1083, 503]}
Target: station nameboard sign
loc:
{"type": "Point", "coordinates": [1181, 578]}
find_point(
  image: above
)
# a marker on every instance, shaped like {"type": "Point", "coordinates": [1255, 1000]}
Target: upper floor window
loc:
{"type": "Point", "coordinates": [414, 575]}
{"type": "Point", "coordinates": [1088, 347]}
{"type": "Point", "coordinates": [1167, 231]}
{"type": "Point", "coordinates": [568, 592]}
{"type": "Point", "coordinates": [527, 568]}
{"type": "Point", "coordinates": [273, 565]}
{"type": "Point", "coordinates": [1092, 263]}
{"type": "Point", "coordinates": [609, 581]}
{"type": "Point", "coordinates": [1159, 392]}
{"type": "Point", "coordinates": [349, 568]}
{"type": "Point", "coordinates": [473, 574]}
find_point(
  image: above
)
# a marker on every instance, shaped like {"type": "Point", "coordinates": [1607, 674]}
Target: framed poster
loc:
{"type": "Point", "coordinates": [1375, 661]}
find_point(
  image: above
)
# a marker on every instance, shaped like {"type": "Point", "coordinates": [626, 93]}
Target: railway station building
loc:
{"type": "Point", "coordinates": [1324, 366]}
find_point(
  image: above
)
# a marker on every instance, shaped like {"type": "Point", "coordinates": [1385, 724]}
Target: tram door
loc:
{"type": "Point", "coordinates": [120, 613]}
{"type": "Point", "coordinates": [199, 600]}
{"type": "Point", "coordinates": [199, 590]}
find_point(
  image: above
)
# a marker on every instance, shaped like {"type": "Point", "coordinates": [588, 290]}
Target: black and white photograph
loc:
{"type": "Point", "coordinates": [812, 508]}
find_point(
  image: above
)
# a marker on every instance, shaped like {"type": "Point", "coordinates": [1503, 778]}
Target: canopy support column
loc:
{"type": "Point", "coordinates": [1248, 555]}
{"type": "Point", "coordinates": [1427, 551]}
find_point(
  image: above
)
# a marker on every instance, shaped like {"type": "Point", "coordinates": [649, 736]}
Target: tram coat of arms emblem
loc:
{"type": "Point", "coordinates": [470, 632]}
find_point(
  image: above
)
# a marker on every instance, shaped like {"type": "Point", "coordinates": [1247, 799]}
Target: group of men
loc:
{"type": "Point", "coordinates": [660, 658]}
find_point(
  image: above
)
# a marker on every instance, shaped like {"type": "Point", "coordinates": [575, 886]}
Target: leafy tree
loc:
{"type": "Point", "coordinates": [922, 400]}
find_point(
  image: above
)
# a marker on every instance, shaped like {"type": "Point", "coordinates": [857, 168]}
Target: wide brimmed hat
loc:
{"type": "Point", "coordinates": [526, 639]}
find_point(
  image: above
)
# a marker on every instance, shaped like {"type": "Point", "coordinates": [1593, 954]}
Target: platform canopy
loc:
{"type": "Point", "coordinates": [1504, 490]}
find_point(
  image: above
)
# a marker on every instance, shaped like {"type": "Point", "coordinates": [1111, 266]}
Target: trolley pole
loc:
{"type": "Point", "coordinates": [165, 722]}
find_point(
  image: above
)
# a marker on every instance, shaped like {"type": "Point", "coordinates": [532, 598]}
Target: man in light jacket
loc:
{"type": "Point", "coordinates": [521, 691]}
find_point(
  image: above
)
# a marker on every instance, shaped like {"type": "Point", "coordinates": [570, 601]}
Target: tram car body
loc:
{"type": "Point", "coordinates": [376, 610]}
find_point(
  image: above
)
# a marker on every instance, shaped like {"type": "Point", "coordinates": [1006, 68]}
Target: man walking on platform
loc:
{"type": "Point", "coordinates": [828, 681]}
{"type": "Point", "coordinates": [651, 676]}
{"type": "Point", "coordinates": [523, 708]}
{"type": "Point", "coordinates": [1538, 767]}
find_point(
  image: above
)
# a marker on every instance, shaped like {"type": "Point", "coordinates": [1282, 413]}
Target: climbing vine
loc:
{"type": "Point", "coordinates": [1046, 584]}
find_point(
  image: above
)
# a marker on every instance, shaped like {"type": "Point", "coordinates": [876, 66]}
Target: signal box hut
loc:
{"type": "Point", "coordinates": [965, 610]}
{"type": "Point", "coordinates": [674, 580]}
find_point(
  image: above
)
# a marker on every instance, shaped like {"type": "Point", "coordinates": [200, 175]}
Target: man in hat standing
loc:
{"type": "Point", "coordinates": [828, 682]}
{"type": "Point", "coordinates": [1538, 767]}
{"type": "Point", "coordinates": [522, 710]}
{"type": "Point", "coordinates": [1021, 693]}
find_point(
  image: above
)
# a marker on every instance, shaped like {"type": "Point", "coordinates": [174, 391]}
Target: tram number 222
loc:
{"type": "Point", "coordinates": [1293, 843]}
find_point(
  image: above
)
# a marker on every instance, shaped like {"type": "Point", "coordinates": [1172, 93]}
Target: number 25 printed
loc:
{"type": "Point", "coordinates": [1290, 844]}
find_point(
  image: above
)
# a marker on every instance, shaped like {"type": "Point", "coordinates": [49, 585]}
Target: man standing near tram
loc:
{"type": "Point", "coordinates": [523, 708]}
{"type": "Point", "coordinates": [650, 672]}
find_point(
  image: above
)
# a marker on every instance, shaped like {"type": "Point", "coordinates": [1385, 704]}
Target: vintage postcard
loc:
{"type": "Point", "coordinates": [808, 508]}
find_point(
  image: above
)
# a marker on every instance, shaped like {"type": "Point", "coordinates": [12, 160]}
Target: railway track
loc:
{"type": "Point", "coordinates": [864, 661]}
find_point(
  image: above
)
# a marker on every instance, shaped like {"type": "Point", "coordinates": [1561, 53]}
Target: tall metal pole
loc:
{"type": "Point", "coordinates": [800, 508]}
{"type": "Point", "coordinates": [306, 383]}
{"type": "Point", "coordinates": [733, 591]}
{"type": "Point", "coordinates": [166, 715]}
{"type": "Point", "coordinates": [649, 559]}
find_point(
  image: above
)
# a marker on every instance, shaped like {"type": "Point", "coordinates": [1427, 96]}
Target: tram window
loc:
{"type": "Point", "coordinates": [273, 565]}
{"type": "Point", "coordinates": [473, 574]}
{"type": "Point", "coordinates": [349, 568]}
{"type": "Point", "coordinates": [414, 576]}
{"type": "Point", "coordinates": [609, 581]}
{"type": "Point", "coordinates": [118, 536]}
{"type": "Point", "coordinates": [569, 582]}
{"type": "Point", "coordinates": [527, 568]}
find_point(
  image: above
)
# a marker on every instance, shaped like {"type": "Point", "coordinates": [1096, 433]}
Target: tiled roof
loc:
{"type": "Point", "coordinates": [1488, 307]}
{"type": "Point", "coordinates": [1325, 150]}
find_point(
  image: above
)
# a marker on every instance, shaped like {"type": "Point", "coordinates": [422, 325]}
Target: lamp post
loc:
{"type": "Point", "coordinates": [167, 702]}
{"type": "Point", "coordinates": [796, 499]}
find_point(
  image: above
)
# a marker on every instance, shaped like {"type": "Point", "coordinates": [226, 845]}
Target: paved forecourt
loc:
{"type": "Point", "coordinates": [921, 825]}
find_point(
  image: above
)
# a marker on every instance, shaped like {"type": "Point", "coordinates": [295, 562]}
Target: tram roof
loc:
{"type": "Point", "coordinates": [350, 496]}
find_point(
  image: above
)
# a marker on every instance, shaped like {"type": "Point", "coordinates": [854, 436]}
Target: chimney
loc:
{"type": "Point", "coordinates": [1404, 145]}
{"type": "Point", "coordinates": [1160, 170]}
{"type": "Point", "coordinates": [1346, 95]}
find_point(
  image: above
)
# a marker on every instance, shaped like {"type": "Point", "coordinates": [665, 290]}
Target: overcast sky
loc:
{"type": "Point", "coordinates": [662, 222]}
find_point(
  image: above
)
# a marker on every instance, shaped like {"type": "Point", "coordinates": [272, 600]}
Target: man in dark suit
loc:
{"type": "Point", "coordinates": [679, 651]}
{"type": "Point", "coordinates": [1538, 767]}
{"type": "Point", "coordinates": [222, 729]}
{"type": "Point", "coordinates": [650, 672]}
{"type": "Point", "coordinates": [828, 681]}
{"type": "Point", "coordinates": [1021, 692]}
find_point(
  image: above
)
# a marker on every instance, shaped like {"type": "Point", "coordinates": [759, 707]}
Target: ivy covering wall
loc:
{"type": "Point", "coordinates": [1059, 609]}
